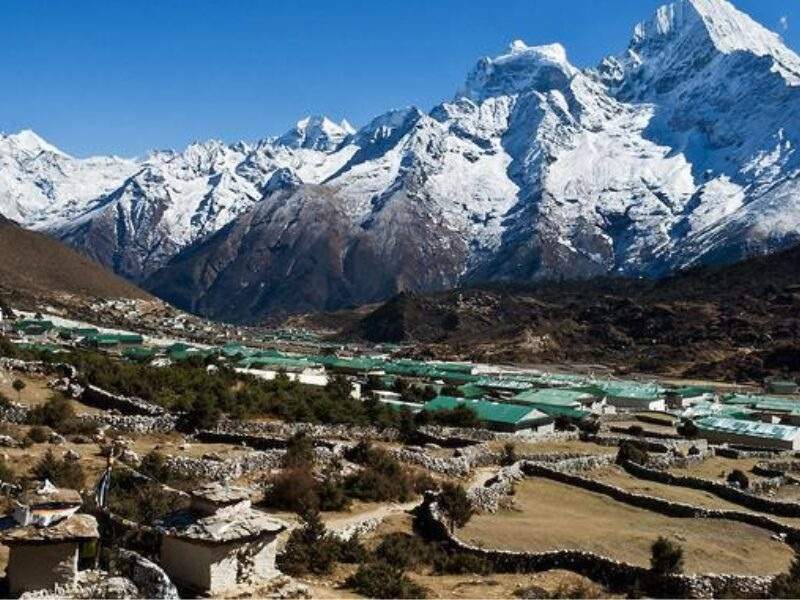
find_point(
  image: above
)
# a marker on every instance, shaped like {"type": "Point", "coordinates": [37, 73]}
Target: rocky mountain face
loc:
{"type": "Point", "coordinates": [679, 151]}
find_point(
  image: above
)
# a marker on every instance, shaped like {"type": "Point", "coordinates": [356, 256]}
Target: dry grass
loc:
{"type": "Point", "coordinates": [717, 467]}
{"type": "Point", "coordinates": [553, 515]}
{"type": "Point", "coordinates": [554, 447]}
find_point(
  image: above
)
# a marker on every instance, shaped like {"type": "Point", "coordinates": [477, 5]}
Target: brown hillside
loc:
{"type": "Point", "coordinates": [34, 266]}
{"type": "Point", "coordinates": [737, 322]}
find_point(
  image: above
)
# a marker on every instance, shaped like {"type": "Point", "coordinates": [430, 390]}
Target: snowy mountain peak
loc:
{"type": "Point", "coordinates": [317, 132]}
{"type": "Point", "coordinates": [521, 69]}
{"type": "Point", "coordinates": [686, 36]}
{"type": "Point", "coordinates": [29, 142]}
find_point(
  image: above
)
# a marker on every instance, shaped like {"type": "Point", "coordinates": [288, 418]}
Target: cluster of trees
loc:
{"type": "Point", "coordinates": [381, 479]}
{"type": "Point", "coordinates": [383, 571]}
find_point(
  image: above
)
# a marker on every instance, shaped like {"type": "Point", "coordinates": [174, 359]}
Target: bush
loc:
{"type": "Point", "coordinates": [579, 588]}
{"type": "Point", "coordinates": [688, 430]}
{"type": "Point", "coordinates": [382, 580]}
{"type": "Point", "coordinates": [634, 452]}
{"type": "Point", "coordinates": [309, 549]}
{"type": "Point", "coordinates": [37, 435]}
{"type": "Point", "coordinates": [636, 430]}
{"type": "Point", "coordinates": [332, 496]}
{"type": "Point", "coordinates": [738, 478]}
{"type": "Point", "coordinates": [787, 585]}
{"type": "Point", "coordinates": [294, 490]}
{"type": "Point", "coordinates": [666, 557]}
{"type": "Point", "coordinates": [509, 455]}
{"type": "Point", "coordinates": [6, 474]}
{"type": "Point", "coordinates": [62, 473]}
{"type": "Point", "coordinates": [203, 414]}
{"type": "Point", "coordinates": [589, 426]}
{"type": "Point", "coordinates": [382, 479]}
{"type": "Point", "coordinates": [563, 423]}
{"type": "Point", "coordinates": [140, 501]}
{"type": "Point", "coordinates": [404, 551]}
{"type": "Point", "coordinates": [54, 413]}
{"type": "Point", "coordinates": [299, 452]}
{"type": "Point", "coordinates": [455, 505]}
{"type": "Point", "coordinates": [461, 564]}
{"type": "Point", "coordinates": [460, 416]}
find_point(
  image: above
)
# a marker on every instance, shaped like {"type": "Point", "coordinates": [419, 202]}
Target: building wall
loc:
{"type": "Point", "coordinates": [717, 437]}
{"type": "Point", "coordinates": [217, 567]}
{"type": "Point", "coordinates": [41, 566]}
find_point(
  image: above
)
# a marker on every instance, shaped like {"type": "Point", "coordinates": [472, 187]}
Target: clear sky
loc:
{"type": "Point", "coordinates": [113, 77]}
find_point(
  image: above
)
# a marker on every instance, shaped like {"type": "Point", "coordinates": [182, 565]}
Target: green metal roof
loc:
{"type": "Point", "coordinates": [553, 410]}
{"type": "Point", "coordinates": [630, 389]}
{"type": "Point", "coordinates": [492, 412]}
{"type": "Point", "coordinates": [552, 396]}
{"type": "Point", "coordinates": [470, 390]}
{"type": "Point", "coordinates": [751, 428]}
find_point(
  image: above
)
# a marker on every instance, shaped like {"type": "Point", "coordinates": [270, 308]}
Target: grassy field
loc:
{"type": "Point", "coordinates": [555, 447]}
{"type": "Point", "coordinates": [551, 515]}
{"type": "Point", "coordinates": [717, 467]}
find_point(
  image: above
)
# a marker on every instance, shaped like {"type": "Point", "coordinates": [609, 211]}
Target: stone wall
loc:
{"type": "Point", "coordinates": [127, 405]}
{"type": "Point", "coordinates": [223, 470]}
{"type": "Point", "coordinates": [659, 505]}
{"type": "Point", "coordinates": [726, 492]}
{"type": "Point", "coordinates": [616, 575]}
{"type": "Point", "coordinates": [132, 423]}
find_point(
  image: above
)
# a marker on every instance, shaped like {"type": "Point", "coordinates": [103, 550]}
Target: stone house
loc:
{"type": "Point", "coordinates": [220, 541]}
{"type": "Point", "coordinates": [44, 536]}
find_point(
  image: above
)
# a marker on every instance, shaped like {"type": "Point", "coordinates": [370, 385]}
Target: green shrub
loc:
{"type": "Point", "coordinates": [38, 434]}
{"type": "Point", "coordinates": [787, 585]}
{"type": "Point", "coordinates": [382, 580]}
{"type": "Point", "coordinates": [404, 551]}
{"type": "Point", "coordinates": [140, 501]}
{"type": "Point", "coordinates": [54, 413]}
{"type": "Point", "coordinates": [509, 455]}
{"type": "Point", "coordinates": [455, 505]}
{"type": "Point", "coordinates": [382, 479]}
{"type": "Point", "coordinates": [666, 557]}
{"type": "Point", "coordinates": [461, 564]}
{"type": "Point", "coordinates": [738, 478]}
{"type": "Point", "coordinates": [62, 473]}
{"type": "Point", "coordinates": [688, 430]}
{"type": "Point", "coordinates": [309, 549]}
{"type": "Point", "coordinates": [6, 474]}
{"type": "Point", "coordinates": [294, 490]}
{"type": "Point", "coordinates": [299, 452]}
{"type": "Point", "coordinates": [634, 452]}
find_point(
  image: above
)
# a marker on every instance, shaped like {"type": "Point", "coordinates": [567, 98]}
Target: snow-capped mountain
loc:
{"type": "Point", "coordinates": [679, 150]}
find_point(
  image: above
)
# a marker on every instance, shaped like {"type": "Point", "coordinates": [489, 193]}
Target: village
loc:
{"type": "Point", "coordinates": [138, 465]}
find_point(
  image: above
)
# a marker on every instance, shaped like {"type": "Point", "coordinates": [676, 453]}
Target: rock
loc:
{"type": "Point", "coordinates": [150, 578]}
{"type": "Point", "coordinates": [57, 439]}
{"type": "Point", "coordinates": [6, 441]}
{"type": "Point", "coordinates": [71, 455]}
{"type": "Point", "coordinates": [129, 457]}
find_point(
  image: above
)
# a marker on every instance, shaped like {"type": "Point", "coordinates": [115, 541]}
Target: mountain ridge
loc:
{"type": "Point", "coordinates": [681, 150]}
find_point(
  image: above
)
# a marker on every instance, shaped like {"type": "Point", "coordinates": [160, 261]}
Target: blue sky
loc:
{"type": "Point", "coordinates": [105, 76]}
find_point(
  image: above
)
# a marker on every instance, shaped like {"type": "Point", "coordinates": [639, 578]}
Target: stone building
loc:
{"type": "Point", "coordinates": [44, 536]}
{"type": "Point", "coordinates": [220, 541]}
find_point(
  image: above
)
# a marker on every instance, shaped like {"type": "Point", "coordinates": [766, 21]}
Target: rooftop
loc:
{"type": "Point", "coordinates": [75, 528]}
{"type": "Point", "coordinates": [224, 526]}
{"type": "Point", "coordinates": [751, 428]}
{"type": "Point", "coordinates": [553, 396]}
{"type": "Point", "coordinates": [494, 412]}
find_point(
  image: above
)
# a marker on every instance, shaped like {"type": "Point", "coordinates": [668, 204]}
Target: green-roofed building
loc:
{"type": "Point", "coordinates": [633, 395]}
{"type": "Point", "coordinates": [33, 327]}
{"type": "Point", "coordinates": [114, 340]}
{"type": "Point", "coordinates": [723, 430]}
{"type": "Point", "coordinates": [511, 418]}
{"type": "Point", "coordinates": [688, 396]}
{"type": "Point", "coordinates": [275, 363]}
{"type": "Point", "coordinates": [472, 391]}
{"type": "Point", "coordinates": [560, 402]}
{"type": "Point", "coordinates": [139, 353]}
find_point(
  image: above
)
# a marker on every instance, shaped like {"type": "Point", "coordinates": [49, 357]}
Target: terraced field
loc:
{"type": "Point", "coordinates": [552, 515]}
